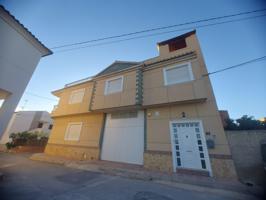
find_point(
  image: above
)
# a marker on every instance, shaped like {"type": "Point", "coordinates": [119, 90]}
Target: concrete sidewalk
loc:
{"type": "Point", "coordinates": [190, 182]}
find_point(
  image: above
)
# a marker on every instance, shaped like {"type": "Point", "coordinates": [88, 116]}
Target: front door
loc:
{"type": "Point", "coordinates": [189, 145]}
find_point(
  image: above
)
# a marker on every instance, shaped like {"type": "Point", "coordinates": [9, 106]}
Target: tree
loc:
{"type": "Point", "coordinates": [230, 125]}
{"type": "Point", "coordinates": [245, 123]}
{"type": "Point", "coordinates": [248, 123]}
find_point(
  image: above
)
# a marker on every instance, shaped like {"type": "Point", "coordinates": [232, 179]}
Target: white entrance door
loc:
{"type": "Point", "coordinates": [123, 139]}
{"type": "Point", "coordinates": [189, 145]}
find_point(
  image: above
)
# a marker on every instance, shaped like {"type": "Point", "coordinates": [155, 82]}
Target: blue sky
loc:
{"type": "Point", "coordinates": [240, 91]}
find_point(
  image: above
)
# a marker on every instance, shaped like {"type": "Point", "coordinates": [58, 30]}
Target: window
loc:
{"type": "Point", "coordinates": [73, 131]}
{"type": "Point", "coordinates": [40, 125]}
{"type": "Point", "coordinates": [76, 96]}
{"type": "Point", "coordinates": [178, 74]}
{"type": "Point", "coordinates": [180, 44]}
{"type": "Point", "coordinates": [113, 85]}
{"type": "Point", "coordinates": [124, 115]}
{"type": "Point", "coordinates": [50, 127]}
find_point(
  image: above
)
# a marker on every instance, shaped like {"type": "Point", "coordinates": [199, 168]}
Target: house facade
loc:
{"type": "Point", "coordinates": [160, 113]}
{"type": "Point", "coordinates": [30, 121]}
{"type": "Point", "coordinates": [20, 53]}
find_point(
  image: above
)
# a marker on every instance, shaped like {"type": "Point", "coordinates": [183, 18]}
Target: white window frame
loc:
{"type": "Point", "coordinates": [111, 79]}
{"type": "Point", "coordinates": [177, 66]}
{"type": "Point", "coordinates": [68, 126]}
{"type": "Point", "coordinates": [76, 91]}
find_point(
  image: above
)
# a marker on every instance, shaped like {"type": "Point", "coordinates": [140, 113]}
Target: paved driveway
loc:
{"type": "Point", "coordinates": [26, 179]}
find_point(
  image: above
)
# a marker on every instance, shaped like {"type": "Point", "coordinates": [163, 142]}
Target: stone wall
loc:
{"type": "Point", "coordinates": [159, 161]}
{"type": "Point", "coordinates": [223, 168]}
{"type": "Point", "coordinates": [246, 153]}
{"type": "Point", "coordinates": [73, 152]}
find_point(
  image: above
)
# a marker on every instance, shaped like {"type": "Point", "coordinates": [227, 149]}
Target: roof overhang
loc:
{"type": "Point", "coordinates": [22, 30]}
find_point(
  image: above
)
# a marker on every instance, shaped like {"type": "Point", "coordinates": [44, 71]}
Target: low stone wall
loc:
{"type": "Point", "coordinates": [162, 161]}
{"type": "Point", "coordinates": [246, 153]}
{"type": "Point", "coordinates": [72, 151]}
{"type": "Point", "coordinates": [223, 168]}
{"type": "Point", "coordinates": [159, 161]}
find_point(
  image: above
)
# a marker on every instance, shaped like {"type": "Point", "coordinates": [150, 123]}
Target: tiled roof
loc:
{"type": "Point", "coordinates": [117, 66]}
{"type": "Point", "coordinates": [23, 27]}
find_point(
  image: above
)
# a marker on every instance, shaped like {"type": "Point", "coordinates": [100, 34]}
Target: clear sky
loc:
{"type": "Point", "coordinates": [240, 91]}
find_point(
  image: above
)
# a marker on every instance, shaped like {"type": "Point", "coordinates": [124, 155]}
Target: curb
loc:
{"type": "Point", "coordinates": [227, 189]}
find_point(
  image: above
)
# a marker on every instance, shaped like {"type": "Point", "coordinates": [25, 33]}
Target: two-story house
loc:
{"type": "Point", "coordinates": [160, 113]}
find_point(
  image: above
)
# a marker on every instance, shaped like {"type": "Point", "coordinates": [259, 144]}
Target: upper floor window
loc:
{"type": "Point", "coordinates": [73, 131]}
{"type": "Point", "coordinates": [113, 85]}
{"type": "Point", "coordinates": [178, 74]}
{"type": "Point", "coordinates": [175, 45]}
{"type": "Point", "coordinates": [76, 96]}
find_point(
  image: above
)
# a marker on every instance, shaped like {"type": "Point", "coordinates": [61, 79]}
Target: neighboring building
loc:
{"type": "Point", "coordinates": [224, 117]}
{"type": "Point", "coordinates": [160, 113]}
{"type": "Point", "coordinates": [31, 121]}
{"type": "Point", "coordinates": [20, 53]}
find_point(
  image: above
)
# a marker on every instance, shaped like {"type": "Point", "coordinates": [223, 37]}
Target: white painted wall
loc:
{"type": "Point", "coordinates": [22, 121]}
{"type": "Point", "coordinates": [18, 60]}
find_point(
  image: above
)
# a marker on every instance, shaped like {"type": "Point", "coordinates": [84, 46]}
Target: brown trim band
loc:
{"type": "Point", "coordinates": [220, 156]}
{"type": "Point", "coordinates": [138, 107]}
{"type": "Point", "coordinates": [215, 156]}
{"type": "Point", "coordinates": [158, 152]}
{"type": "Point", "coordinates": [201, 100]}
{"type": "Point", "coordinates": [72, 114]}
{"type": "Point", "coordinates": [71, 145]}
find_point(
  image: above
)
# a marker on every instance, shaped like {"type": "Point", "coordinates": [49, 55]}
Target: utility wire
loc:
{"type": "Point", "coordinates": [204, 75]}
{"type": "Point", "coordinates": [159, 28]}
{"type": "Point", "coordinates": [36, 95]}
{"type": "Point", "coordinates": [235, 66]}
{"type": "Point", "coordinates": [160, 33]}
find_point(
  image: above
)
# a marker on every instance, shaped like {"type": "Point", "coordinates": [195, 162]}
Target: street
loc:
{"type": "Point", "coordinates": [27, 179]}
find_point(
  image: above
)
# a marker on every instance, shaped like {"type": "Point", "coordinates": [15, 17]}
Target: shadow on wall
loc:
{"type": "Point", "coordinates": [246, 152]}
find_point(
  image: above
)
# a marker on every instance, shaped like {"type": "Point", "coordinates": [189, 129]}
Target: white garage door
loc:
{"type": "Point", "coordinates": [124, 137]}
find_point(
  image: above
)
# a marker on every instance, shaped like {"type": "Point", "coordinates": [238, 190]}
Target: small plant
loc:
{"type": "Point", "coordinates": [10, 145]}
{"type": "Point", "coordinates": [29, 138]}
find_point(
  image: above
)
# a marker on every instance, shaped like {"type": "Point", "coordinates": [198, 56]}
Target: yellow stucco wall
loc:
{"type": "Point", "coordinates": [124, 98]}
{"type": "Point", "coordinates": [64, 108]}
{"type": "Point", "coordinates": [192, 45]}
{"type": "Point", "coordinates": [89, 136]}
{"type": "Point", "coordinates": [158, 130]}
{"type": "Point", "coordinates": [156, 92]}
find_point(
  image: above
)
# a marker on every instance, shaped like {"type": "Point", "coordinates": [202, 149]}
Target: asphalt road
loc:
{"type": "Point", "coordinates": [26, 179]}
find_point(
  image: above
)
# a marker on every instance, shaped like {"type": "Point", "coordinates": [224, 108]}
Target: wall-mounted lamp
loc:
{"type": "Point", "coordinates": [183, 115]}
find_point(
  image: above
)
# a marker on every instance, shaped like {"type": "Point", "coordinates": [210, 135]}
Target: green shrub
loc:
{"type": "Point", "coordinates": [10, 145]}
{"type": "Point", "coordinates": [29, 138]}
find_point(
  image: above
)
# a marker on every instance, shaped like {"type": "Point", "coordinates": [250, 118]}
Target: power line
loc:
{"type": "Point", "coordinates": [159, 28]}
{"type": "Point", "coordinates": [160, 33]}
{"type": "Point", "coordinates": [235, 66]}
{"type": "Point", "coordinates": [204, 75]}
{"type": "Point", "coordinates": [36, 95]}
